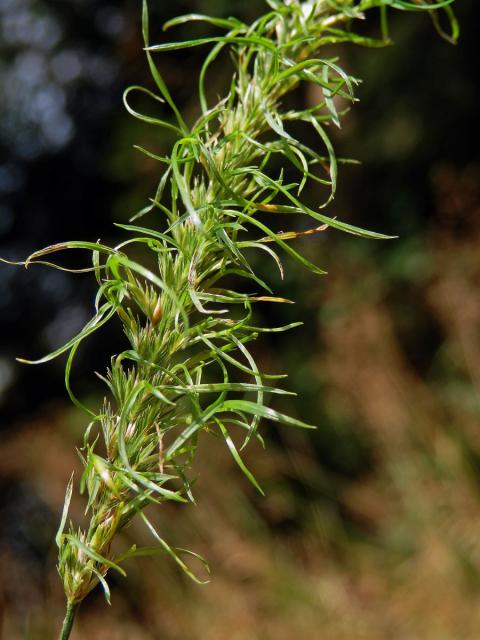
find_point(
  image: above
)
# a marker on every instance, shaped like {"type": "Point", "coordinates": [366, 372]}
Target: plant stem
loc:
{"type": "Point", "coordinates": [68, 621]}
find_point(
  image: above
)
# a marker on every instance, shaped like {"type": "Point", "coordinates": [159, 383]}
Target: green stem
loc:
{"type": "Point", "coordinates": [68, 621]}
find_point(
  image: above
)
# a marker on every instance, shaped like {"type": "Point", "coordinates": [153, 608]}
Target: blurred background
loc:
{"type": "Point", "coordinates": [371, 524]}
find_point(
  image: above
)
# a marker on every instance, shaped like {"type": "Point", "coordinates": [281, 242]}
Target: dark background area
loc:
{"type": "Point", "coordinates": [370, 527]}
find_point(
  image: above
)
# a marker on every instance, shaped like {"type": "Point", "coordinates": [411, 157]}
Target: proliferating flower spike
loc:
{"type": "Point", "coordinates": [189, 371]}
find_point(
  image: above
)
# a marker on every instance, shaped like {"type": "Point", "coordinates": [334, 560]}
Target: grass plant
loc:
{"type": "Point", "coordinates": [188, 370]}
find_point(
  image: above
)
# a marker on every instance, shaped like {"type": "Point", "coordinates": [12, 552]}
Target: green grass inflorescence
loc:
{"type": "Point", "coordinates": [223, 174]}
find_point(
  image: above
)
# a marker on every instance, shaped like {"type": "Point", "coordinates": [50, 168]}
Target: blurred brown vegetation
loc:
{"type": "Point", "coordinates": [406, 565]}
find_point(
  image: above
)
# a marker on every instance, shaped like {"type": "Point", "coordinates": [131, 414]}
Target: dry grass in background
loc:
{"type": "Point", "coordinates": [409, 567]}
